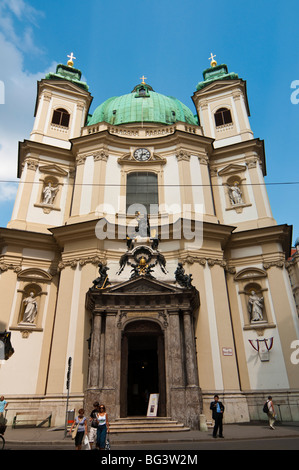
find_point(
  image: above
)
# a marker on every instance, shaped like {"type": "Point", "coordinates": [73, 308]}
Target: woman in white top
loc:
{"type": "Point", "coordinates": [103, 427]}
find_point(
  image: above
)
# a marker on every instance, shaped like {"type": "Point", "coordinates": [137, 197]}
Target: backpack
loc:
{"type": "Point", "coordinates": [265, 408]}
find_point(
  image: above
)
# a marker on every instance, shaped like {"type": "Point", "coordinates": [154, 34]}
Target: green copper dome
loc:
{"type": "Point", "coordinates": [143, 104]}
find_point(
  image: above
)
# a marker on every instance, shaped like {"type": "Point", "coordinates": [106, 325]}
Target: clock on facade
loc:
{"type": "Point", "coordinates": [142, 155]}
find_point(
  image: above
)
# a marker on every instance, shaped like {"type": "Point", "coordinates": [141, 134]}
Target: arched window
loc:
{"type": "Point", "coordinates": [61, 117]}
{"type": "Point", "coordinates": [223, 116]}
{"type": "Point", "coordinates": [142, 188]}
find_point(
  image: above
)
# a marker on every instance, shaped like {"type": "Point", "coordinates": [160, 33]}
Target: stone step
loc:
{"type": "Point", "coordinates": [144, 424]}
{"type": "Point", "coordinates": [144, 419]}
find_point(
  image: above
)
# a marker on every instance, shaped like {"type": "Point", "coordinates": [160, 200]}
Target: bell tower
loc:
{"type": "Point", "coordinates": [237, 166]}
{"type": "Point", "coordinates": [222, 106]}
{"type": "Point", "coordinates": [62, 106]}
{"type": "Point", "coordinates": [46, 164]}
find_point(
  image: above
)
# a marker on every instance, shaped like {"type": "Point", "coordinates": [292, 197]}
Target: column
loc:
{"type": "Point", "coordinates": [209, 209]}
{"type": "Point", "coordinates": [32, 165]}
{"type": "Point", "coordinates": [175, 351]}
{"type": "Point", "coordinates": [175, 399]}
{"type": "Point", "coordinates": [193, 401]}
{"type": "Point", "coordinates": [80, 162]}
{"type": "Point", "coordinates": [111, 378]}
{"type": "Point", "coordinates": [99, 176]}
{"type": "Point", "coordinates": [40, 123]}
{"type": "Point", "coordinates": [183, 159]}
{"type": "Point", "coordinates": [191, 368]}
{"type": "Point", "coordinates": [94, 365]}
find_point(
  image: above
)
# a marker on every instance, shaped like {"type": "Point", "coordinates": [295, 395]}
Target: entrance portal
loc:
{"type": "Point", "coordinates": [142, 342]}
{"type": "Point", "coordinates": [143, 368]}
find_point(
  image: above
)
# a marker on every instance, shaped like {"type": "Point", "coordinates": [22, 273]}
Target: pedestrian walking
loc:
{"type": "Point", "coordinates": [93, 424]}
{"type": "Point", "coordinates": [103, 427]}
{"type": "Point", "coordinates": [80, 424]}
{"type": "Point", "coordinates": [271, 412]}
{"type": "Point", "coordinates": [217, 414]}
{"type": "Point", "coordinates": [3, 405]}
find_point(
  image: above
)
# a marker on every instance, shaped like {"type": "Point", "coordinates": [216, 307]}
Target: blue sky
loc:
{"type": "Point", "coordinates": [115, 43]}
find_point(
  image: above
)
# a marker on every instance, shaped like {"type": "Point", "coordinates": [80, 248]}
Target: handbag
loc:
{"type": "Point", "coordinates": [85, 443]}
{"type": "Point", "coordinates": [107, 444]}
{"type": "Point", "coordinates": [74, 431]}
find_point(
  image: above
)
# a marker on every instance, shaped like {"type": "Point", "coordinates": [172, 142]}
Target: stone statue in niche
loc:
{"type": "Point", "coordinates": [184, 280]}
{"type": "Point", "coordinates": [235, 194]}
{"type": "Point", "coordinates": [49, 193]}
{"type": "Point", "coordinates": [255, 307]}
{"type": "Point", "coordinates": [30, 308]}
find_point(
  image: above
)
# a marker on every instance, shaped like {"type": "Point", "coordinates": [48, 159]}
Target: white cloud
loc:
{"type": "Point", "coordinates": [8, 192]}
{"type": "Point", "coordinates": [13, 11]}
{"type": "Point", "coordinates": [17, 112]}
{"type": "Point", "coordinates": [21, 9]}
{"type": "Point", "coordinates": [19, 86]}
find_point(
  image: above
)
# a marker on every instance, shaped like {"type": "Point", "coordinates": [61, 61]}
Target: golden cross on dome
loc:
{"type": "Point", "coordinates": [143, 78]}
{"type": "Point", "coordinates": [71, 57]}
{"type": "Point", "coordinates": [213, 62]}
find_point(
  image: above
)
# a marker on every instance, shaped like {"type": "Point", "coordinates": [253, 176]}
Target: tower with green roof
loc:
{"type": "Point", "coordinates": [62, 105]}
{"type": "Point", "coordinates": [222, 105]}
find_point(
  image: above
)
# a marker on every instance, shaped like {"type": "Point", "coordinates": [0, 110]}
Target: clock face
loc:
{"type": "Point", "coordinates": [142, 155]}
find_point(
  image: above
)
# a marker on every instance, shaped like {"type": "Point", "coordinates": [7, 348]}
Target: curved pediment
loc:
{"type": "Point", "coordinates": [250, 273]}
{"type": "Point", "coordinates": [34, 274]}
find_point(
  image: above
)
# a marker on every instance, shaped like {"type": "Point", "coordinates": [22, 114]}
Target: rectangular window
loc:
{"type": "Point", "coordinates": [142, 188]}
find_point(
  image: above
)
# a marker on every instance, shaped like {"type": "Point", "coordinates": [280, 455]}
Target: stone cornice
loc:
{"type": "Point", "coordinates": [30, 147]}
{"type": "Point", "coordinates": [147, 131]}
{"type": "Point", "coordinates": [254, 146]}
{"type": "Point", "coordinates": [81, 261]}
{"type": "Point", "coordinates": [271, 234]}
{"type": "Point", "coordinates": [180, 135]}
{"type": "Point", "coordinates": [26, 239]}
{"type": "Point", "coordinates": [97, 155]}
{"type": "Point", "coordinates": [5, 266]}
{"type": "Point", "coordinates": [128, 159]}
{"type": "Point", "coordinates": [203, 261]}
{"type": "Point", "coordinates": [277, 263]}
{"type": "Point", "coordinates": [226, 264]}
{"type": "Point", "coordinates": [86, 230]}
{"type": "Point", "coordinates": [47, 86]}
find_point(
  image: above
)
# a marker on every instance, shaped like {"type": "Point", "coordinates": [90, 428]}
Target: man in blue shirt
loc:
{"type": "Point", "coordinates": [217, 414]}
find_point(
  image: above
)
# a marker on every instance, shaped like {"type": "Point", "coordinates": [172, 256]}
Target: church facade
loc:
{"type": "Point", "coordinates": [142, 246]}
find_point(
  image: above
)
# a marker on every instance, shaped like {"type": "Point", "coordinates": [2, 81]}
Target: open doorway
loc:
{"type": "Point", "coordinates": [143, 368]}
{"type": "Point", "coordinates": [143, 377]}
